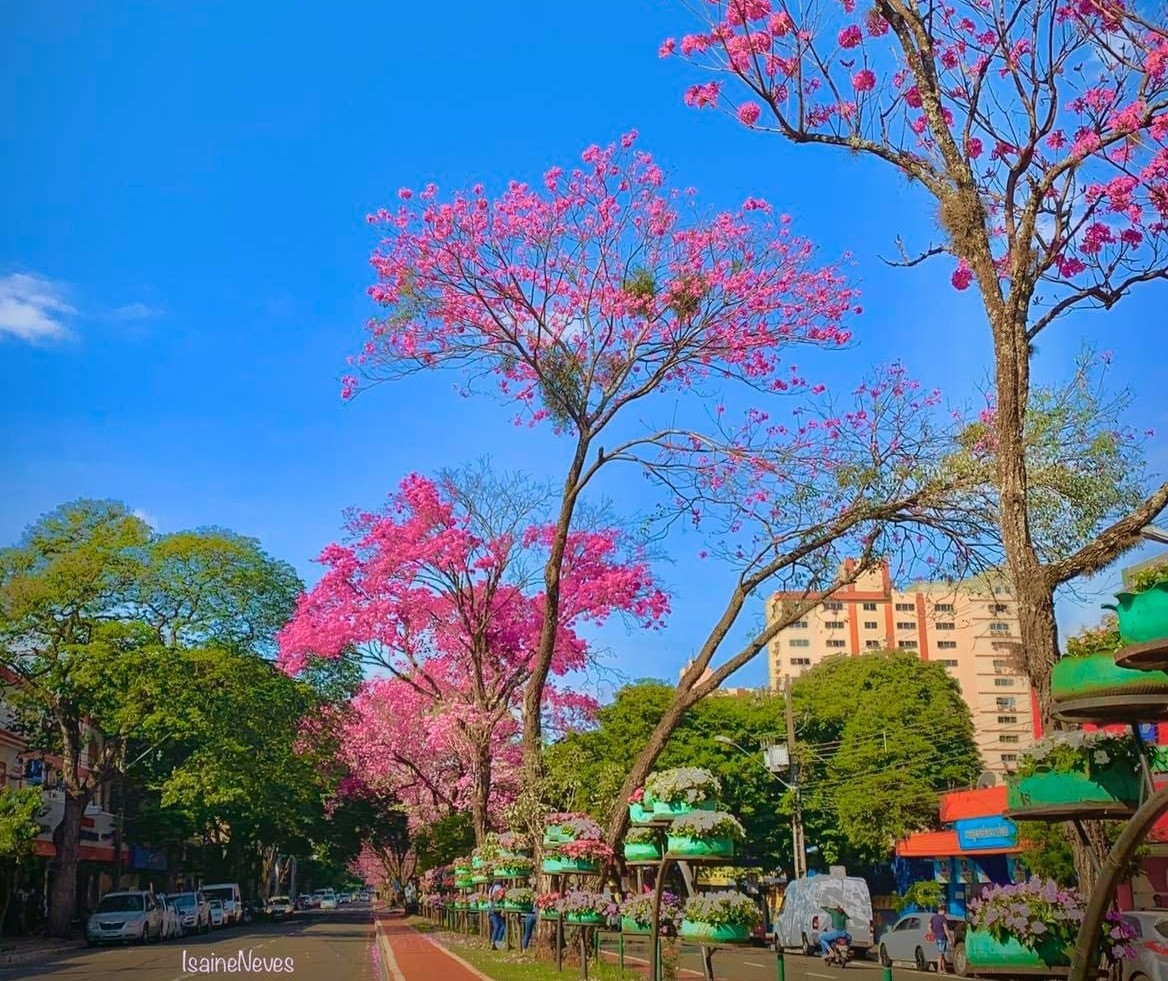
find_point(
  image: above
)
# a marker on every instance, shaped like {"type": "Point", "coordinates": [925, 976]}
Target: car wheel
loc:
{"type": "Point", "coordinates": [919, 957]}
{"type": "Point", "coordinates": [960, 961]}
{"type": "Point", "coordinates": [808, 949]}
{"type": "Point", "coordinates": [885, 960]}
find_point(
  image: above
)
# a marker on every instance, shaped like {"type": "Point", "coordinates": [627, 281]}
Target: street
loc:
{"type": "Point", "coordinates": [329, 946]}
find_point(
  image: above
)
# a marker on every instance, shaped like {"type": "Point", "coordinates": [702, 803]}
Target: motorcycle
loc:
{"type": "Point", "coordinates": [839, 953]}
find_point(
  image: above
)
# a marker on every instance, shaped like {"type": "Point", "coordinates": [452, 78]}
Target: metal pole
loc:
{"type": "Point", "coordinates": [620, 949]}
{"type": "Point", "coordinates": [887, 974]}
{"type": "Point", "coordinates": [800, 855]}
{"type": "Point", "coordinates": [780, 964]}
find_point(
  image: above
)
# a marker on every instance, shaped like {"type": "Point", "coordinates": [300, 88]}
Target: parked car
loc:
{"type": "Point", "coordinates": [1151, 944]}
{"type": "Point", "coordinates": [278, 907]}
{"type": "Point", "coordinates": [171, 918]}
{"type": "Point", "coordinates": [304, 901]}
{"type": "Point", "coordinates": [228, 894]}
{"type": "Point", "coordinates": [326, 898]}
{"type": "Point", "coordinates": [803, 915]}
{"type": "Point", "coordinates": [193, 911]}
{"type": "Point", "coordinates": [218, 915]}
{"type": "Point", "coordinates": [908, 941]}
{"type": "Point", "coordinates": [124, 916]}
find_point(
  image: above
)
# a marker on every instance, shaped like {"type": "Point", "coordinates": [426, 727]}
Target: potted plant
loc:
{"type": "Point", "coordinates": [1088, 669]}
{"type": "Point", "coordinates": [581, 908]}
{"type": "Point", "coordinates": [637, 913]}
{"type": "Point", "coordinates": [704, 833]}
{"type": "Point", "coordinates": [512, 843]}
{"type": "Point", "coordinates": [683, 789]}
{"type": "Point", "coordinates": [1143, 611]}
{"type": "Point", "coordinates": [577, 856]}
{"type": "Point", "coordinates": [519, 898]}
{"type": "Point", "coordinates": [641, 845]}
{"type": "Point", "coordinates": [1033, 925]}
{"type": "Point", "coordinates": [640, 809]}
{"type": "Point", "coordinates": [513, 867]}
{"type": "Point", "coordinates": [1077, 767]}
{"type": "Point", "coordinates": [548, 904]}
{"type": "Point", "coordinates": [462, 868]}
{"type": "Point", "coordinates": [568, 826]}
{"type": "Point", "coordinates": [720, 917]}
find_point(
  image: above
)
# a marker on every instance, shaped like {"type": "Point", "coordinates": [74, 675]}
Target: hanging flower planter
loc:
{"type": "Point", "coordinates": [720, 917]}
{"type": "Point", "coordinates": [1088, 684]}
{"type": "Point", "coordinates": [518, 900]}
{"type": "Point", "coordinates": [478, 879]}
{"type": "Point", "coordinates": [548, 904]}
{"type": "Point", "coordinates": [629, 925]}
{"type": "Point", "coordinates": [462, 869]}
{"type": "Point", "coordinates": [1098, 676]}
{"type": "Point", "coordinates": [1143, 612]}
{"type": "Point", "coordinates": [1076, 773]}
{"type": "Point", "coordinates": [584, 855]}
{"type": "Point", "coordinates": [637, 913]}
{"type": "Point", "coordinates": [476, 862]}
{"type": "Point", "coordinates": [463, 883]}
{"type": "Point", "coordinates": [681, 790]}
{"type": "Point", "coordinates": [582, 864]}
{"type": "Point", "coordinates": [551, 865]}
{"type": "Point", "coordinates": [641, 845]}
{"type": "Point", "coordinates": [640, 808]}
{"type": "Point", "coordinates": [581, 908]}
{"type": "Point", "coordinates": [514, 867]}
{"type": "Point", "coordinates": [566, 826]}
{"type": "Point", "coordinates": [703, 834]}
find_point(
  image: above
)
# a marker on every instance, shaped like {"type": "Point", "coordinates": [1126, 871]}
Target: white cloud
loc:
{"type": "Point", "coordinates": [136, 311]}
{"type": "Point", "coordinates": [147, 517]}
{"type": "Point", "coordinates": [33, 308]}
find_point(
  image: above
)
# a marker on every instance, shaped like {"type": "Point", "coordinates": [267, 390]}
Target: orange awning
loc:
{"type": "Point", "coordinates": [943, 844]}
{"type": "Point", "coordinates": [961, 804]}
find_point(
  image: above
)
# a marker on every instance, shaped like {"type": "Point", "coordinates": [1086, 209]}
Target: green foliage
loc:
{"type": "Point", "coordinates": [19, 827]}
{"type": "Point", "coordinates": [885, 733]}
{"type": "Point", "coordinates": [1145, 579]}
{"type": "Point", "coordinates": [1103, 639]}
{"type": "Point", "coordinates": [1047, 851]}
{"type": "Point", "coordinates": [927, 894]}
{"type": "Point", "coordinates": [443, 841]}
{"type": "Point", "coordinates": [586, 770]}
{"type": "Point", "coordinates": [1075, 751]}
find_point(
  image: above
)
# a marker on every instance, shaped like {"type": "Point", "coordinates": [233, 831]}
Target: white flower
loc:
{"type": "Point", "coordinates": [1101, 757]}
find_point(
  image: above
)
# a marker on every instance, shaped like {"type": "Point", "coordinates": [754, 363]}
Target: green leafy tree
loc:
{"type": "Point", "coordinates": [883, 734]}
{"type": "Point", "coordinates": [19, 828]}
{"type": "Point", "coordinates": [446, 839]}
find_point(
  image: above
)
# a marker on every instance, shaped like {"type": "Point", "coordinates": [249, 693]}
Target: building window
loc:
{"type": "Point", "coordinates": [999, 608]}
{"type": "Point", "coordinates": [798, 625]}
{"type": "Point", "coordinates": [942, 607]}
{"type": "Point", "coordinates": [1003, 682]}
{"type": "Point", "coordinates": [906, 607]}
{"type": "Point", "coordinates": [870, 624]}
{"type": "Point", "coordinates": [1009, 757]}
{"type": "Point", "coordinates": [1007, 704]}
{"type": "Point", "coordinates": [799, 642]}
{"type": "Point", "coordinates": [837, 643]}
{"type": "Point", "coordinates": [871, 643]}
{"type": "Point", "coordinates": [949, 663]}
{"type": "Point", "coordinates": [835, 624]}
{"type": "Point", "coordinates": [1008, 738]}
{"type": "Point", "coordinates": [945, 626]}
{"type": "Point", "coordinates": [1007, 720]}
{"type": "Point", "coordinates": [800, 662]}
{"type": "Point", "coordinates": [835, 606]}
{"type": "Point", "coordinates": [946, 645]}
{"type": "Point", "coordinates": [1001, 591]}
{"type": "Point", "coordinates": [906, 625]}
{"type": "Point", "coordinates": [906, 644]}
{"type": "Point", "coordinates": [1001, 629]}
{"type": "Point", "coordinates": [1000, 666]}
{"type": "Point", "coordinates": [870, 607]}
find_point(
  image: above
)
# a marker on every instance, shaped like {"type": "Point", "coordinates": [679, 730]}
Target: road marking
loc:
{"type": "Point", "coordinates": [812, 974]}
{"type": "Point", "coordinates": [753, 964]}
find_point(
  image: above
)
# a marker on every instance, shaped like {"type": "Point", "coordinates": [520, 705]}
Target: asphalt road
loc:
{"type": "Point", "coordinates": [758, 964]}
{"type": "Point", "coordinates": [328, 946]}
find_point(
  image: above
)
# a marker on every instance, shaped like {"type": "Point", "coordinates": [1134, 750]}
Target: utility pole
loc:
{"type": "Point", "coordinates": [797, 843]}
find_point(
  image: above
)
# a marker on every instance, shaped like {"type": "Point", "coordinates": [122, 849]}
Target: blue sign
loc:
{"type": "Point", "coordinates": [986, 834]}
{"type": "Point", "coordinates": [1148, 732]}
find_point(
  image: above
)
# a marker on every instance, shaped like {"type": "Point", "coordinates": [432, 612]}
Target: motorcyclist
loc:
{"type": "Point", "coordinates": [839, 929]}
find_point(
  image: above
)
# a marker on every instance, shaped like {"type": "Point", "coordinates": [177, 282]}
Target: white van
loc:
{"type": "Point", "coordinates": [803, 915]}
{"type": "Point", "coordinates": [228, 894]}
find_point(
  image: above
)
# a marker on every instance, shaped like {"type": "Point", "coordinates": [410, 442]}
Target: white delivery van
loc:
{"type": "Point", "coordinates": [803, 917]}
{"type": "Point", "coordinates": [228, 894]}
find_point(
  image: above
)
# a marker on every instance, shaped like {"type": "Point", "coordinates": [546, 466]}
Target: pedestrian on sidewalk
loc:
{"type": "Point", "coordinates": [939, 926]}
{"type": "Point", "coordinates": [495, 916]}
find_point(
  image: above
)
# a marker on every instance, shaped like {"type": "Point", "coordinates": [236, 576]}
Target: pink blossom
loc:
{"type": "Point", "coordinates": [962, 276]}
{"type": "Point", "coordinates": [850, 37]}
{"type": "Point", "coordinates": [864, 80]}
{"type": "Point", "coordinates": [748, 113]}
{"type": "Point", "coordinates": [667, 47]}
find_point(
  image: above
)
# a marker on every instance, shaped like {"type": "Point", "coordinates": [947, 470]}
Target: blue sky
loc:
{"type": "Point", "coordinates": [183, 256]}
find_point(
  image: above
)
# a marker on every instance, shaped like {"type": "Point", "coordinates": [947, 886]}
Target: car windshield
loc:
{"type": "Point", "coordinates": [221, 894]}
{"type": "Point", "coordinates": [215, 904]}
{"type": "Point", "coordinates": [184, 900]}
{"type": "Point", "coordinates": [279, 899]}
{"type": "Point", "coordinates": [122, 904]}
{"type": "Point", "coordinates": [1161, 927]}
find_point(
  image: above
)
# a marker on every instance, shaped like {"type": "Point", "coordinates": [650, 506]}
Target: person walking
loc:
{"type": "Point", "coordinates": [942, 936]}
{"type": "Point", "coordinates": [495, 916]}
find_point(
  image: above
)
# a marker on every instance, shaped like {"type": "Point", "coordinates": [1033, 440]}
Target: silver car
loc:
{"type": "Point", "coordinates": [193, 912]}
{"type": "Point", "coordinates": [125, 916]}
{"type": "Point", "coordinates": [1151, 944]}
{"type": "Point", "coordinates": [906, 942]}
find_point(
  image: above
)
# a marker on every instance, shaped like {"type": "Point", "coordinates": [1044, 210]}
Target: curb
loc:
{"type": "Point", "coordinates": [23, 957]}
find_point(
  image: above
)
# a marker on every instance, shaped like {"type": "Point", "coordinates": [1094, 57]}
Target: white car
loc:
{"type": "Point", "coordinates": [218, 917]}
{"type": "Point", "coordinates": [194, 914]}
{"type": "Point", "coordinates": [328, 902]}
{"type": "Point", "coordinates": [1151, 944]}
{"type": "Point", "coordinates": [122, 916]}
{"type": "Point", "coordinates": [172, 925]}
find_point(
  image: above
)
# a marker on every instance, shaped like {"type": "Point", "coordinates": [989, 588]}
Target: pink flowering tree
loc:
{"type": "Point", "coordinates": [579, 301]}
{"type": "Point", "coordinates": [436, 591]}
{"type": "Point", "coordinates": [1040, 129]}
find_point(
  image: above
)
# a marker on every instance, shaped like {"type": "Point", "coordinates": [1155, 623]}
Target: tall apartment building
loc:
{"type": "Point", "coordinates": [969, 627]}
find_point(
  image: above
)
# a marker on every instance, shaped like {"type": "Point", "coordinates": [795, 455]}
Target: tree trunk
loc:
{"type": "Point", "coordinates": [480, 816]}
{"type": "Point", "coordinates": [63, 902]}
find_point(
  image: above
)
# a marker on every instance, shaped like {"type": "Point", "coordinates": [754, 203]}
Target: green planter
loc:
{"type": "Point", "coordinates": [727, 933]}
{"type": "Point", "coordinates": [476, 862]}
{"type": "Point", "coordinates": [584, 919]}
{"type": "Point", "coordinates": [640, 814]}
{"type": "Point", "coordinates": [579, 865]}
{"type": "Point", "coordinates": [462, 871]}
{"type": "Point", "coordinates": [1113, 786]}
{"type": "Point", "coordinates": [478, 879]}
{"type": "Point", "coordinates": [548, 914]}
{"type": "Point", "coordinates": [1142, 616]}
{"type": "Point", "coordinates": [463, 883]}
{"type": "Point", "coordinates": [700, 847]}
{"type": "Point", "coordinates": [662, 809]}
{"type": "Point", "coordinates": [983, 951]}
{"type": "Point", "coordinates": [1098, 675]}
{"type": "Point", "coordinates": [517, 907]}
{"type": "Point", "coordinates": [641, 851]}
{"type": "Point", "coordinates": [552, 866]}
{"type": "Point", "coordinates": [511, 872]}
{"type": "Point", "coordinates": [629, 925]}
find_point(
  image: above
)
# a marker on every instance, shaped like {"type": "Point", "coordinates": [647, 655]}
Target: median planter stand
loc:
{"type": "Point", "coordinates": [985, 955]}
{"type": "Point", "coordinates": [687, 847]}
{"type": "Point", "coordinates": [724, 934]}
{"type": "Point", "coordinates": [664, 809]}
{"type": "Point", "coordinates": [1110, 794]}
{"type": "Point", "coordinates": [1143, 616]}
{"type": "Point", "coordinates": [641, 851]}
{"type": "Point", "coordinates": [1098, 688]}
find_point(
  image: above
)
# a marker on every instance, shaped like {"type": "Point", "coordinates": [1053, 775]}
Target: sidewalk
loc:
{"type": "Point", "coordinates": [407, 955]}
{"type": "Point", "coordinates": [20, 950]}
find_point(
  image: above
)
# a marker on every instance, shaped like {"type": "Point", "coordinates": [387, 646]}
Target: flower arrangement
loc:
{"type": "Point", "coordinates": [640, 909]}
{"type": "Point", "coordinates": [513, 864]}
{"type": "Point", "coordinates": [584, 848]}
{"type": "Point", "coordinates": [727, 908]}
{"type": "Point", "coordinates": [581, 828]}
{"type": "Point", "coordinates": [1077, 751]}
{"type": "Point", "coordinates": [578, 902]}
{"type": "Point", "coordinates": [637, 796]}
{"type": "Point", "coordinates": [705, 825]}
{"type": "Point", "coordinates": [548, 902]}
{"type": "Point", "coordinates": [520, 896]}
{"type": "Point", "coordinates": [683, 785]}
{"type": "Point", "coordinates": [512, 842]}
{"type": "Point", "coordinates": [476, 898]}
{"type": "Point", "coordinates": [1041, 913]}
{"type": "Point", "coordinates": [434, 899]}
{"type": "Point", "coordinates": [641, 836]}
